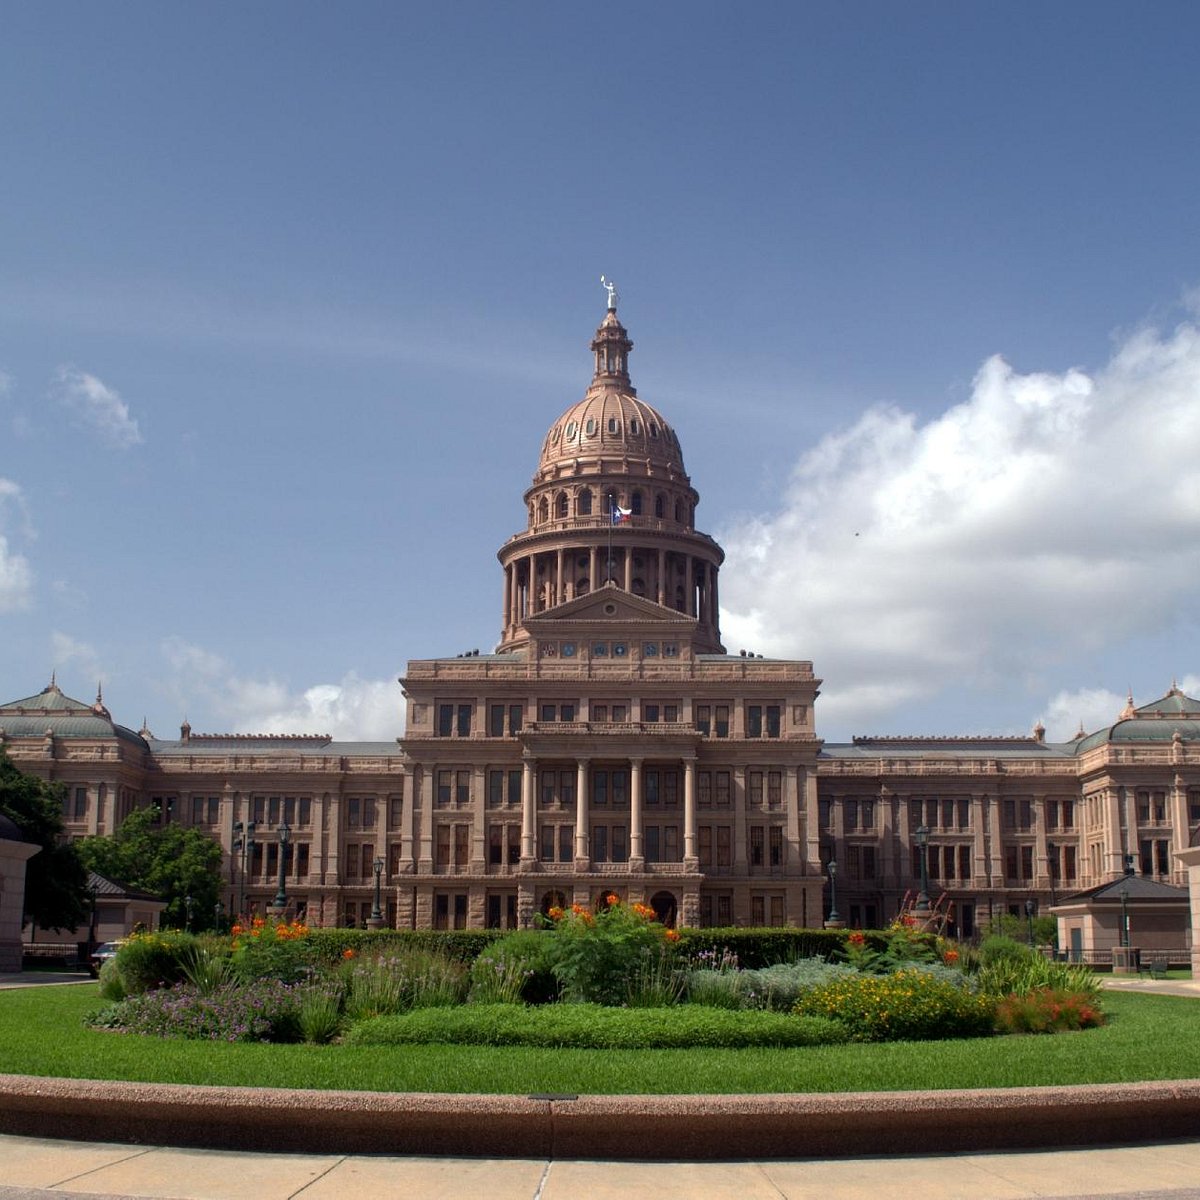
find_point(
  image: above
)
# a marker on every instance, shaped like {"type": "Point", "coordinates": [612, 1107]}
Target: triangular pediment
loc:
{"type": "Point", "coordinates": [608, 606]}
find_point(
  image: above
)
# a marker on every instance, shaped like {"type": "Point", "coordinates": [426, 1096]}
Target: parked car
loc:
{"type": "Point", "coordinates": [101, 955]}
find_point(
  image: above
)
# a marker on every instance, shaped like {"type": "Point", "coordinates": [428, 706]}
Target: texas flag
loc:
{"type": "Point", "coordinates": [621, 515]}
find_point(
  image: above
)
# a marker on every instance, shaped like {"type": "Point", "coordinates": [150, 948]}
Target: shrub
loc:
{"type": "Point", "coordinates": [596, 1027]}
{"type": "Point", "coordinates": [515, 968]}
{"type": "Point", "coordinates": [268, 949]}
{"type": "Point", "coordinates": [1033, 972]}
{"type": "Point", "coordinates": [997, 948]}
{"type": "Point", "coordinates": [154, 960]}
{"type": "Point", "coordinates": [657, 980]}
{"type": "Point", "coordinates": [112, 986]}
{"type": "Point", "coordinates": [754, 948]}
{"type": "Point", "coordinates": [412, 978]}
{"type": "Point", "coordinates": [319, 1014]}
{"type": "Point", "coordinates": [327, 946]}
{"type": "Point", "coordinates": [717, 989]}
{"type": "Point", "coordinates": [207, 969]}
{"type": "Point", "coordinates": [263, 1011]}
{"type": "Point", "coordinates": [1047, 1010]}
{"type": "Point", "coordinates": [594, 955]}
{"type": "Point", "coordinates": [779, 987]}
{"type": "Point", "coordinates": [909, 1005]}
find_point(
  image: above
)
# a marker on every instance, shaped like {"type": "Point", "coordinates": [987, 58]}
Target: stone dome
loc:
{"type": "Point", "coordinates": [608, 423]}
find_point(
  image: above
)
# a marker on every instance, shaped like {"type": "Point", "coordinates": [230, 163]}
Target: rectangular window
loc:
{"type": "Point", "coordinates": [775, 845]}
{"type": "Point", "coordinates": [777, 911]}
{"type": "Point", "coordinates": [1010, 814]}
{"type": "Point", "coordinates": [1026, 814]}
{"type": "Point", "coordinates": [547, 843]}
{"type": "Point", "coordinates": [368, 860]}
{"type": "Point", "coordinates": [549, 782]}
{"type": "Point", "coordinates": [462, 845]}
{"type": "Point", "coordinates": [548, 712]}
{"type": "Point", "coordinates": [566, 785]}
{"type": "Point", "coordinates": [620, 713]}
{"type": "Point", "coordinates": [600, 789]}
{"type": "Point", "coordinates": [1068, 814]}
{"type": "Point", "coordinates": [443, 845]}
{"type": "Point", "coordinates": [599, 712]}
{"type": "Point", "coordinates": [444, 784]}
{"type": "Point", "coordinates": [670, 843]}
{"type": "Point", "coordinates": [1026, 862]}
{"type": "Point", "coordinates": [302, 860]}
{"type": "Point", "coordinates": [514, 719]}
{"type": "Point", "coordinates": [1162, 857]}
{"type": "Point", "coordinates": [495, 845]}
{"type": "Point", "coordinates": [495, 789]}
{"type": "Point", "coordinates": [947, 814]}
{"type": "Point", "coordinates": [825, 814]}
{"type": "Point", "coordinates": [866, 814]}
{"type": "Point", "coordinates": [652, 844]}
{"type": "Point", "coordinates": [774, 789]}
{"type": "Point", "coordinates": [463, 724]}
{"type": "Point", "coordinates": [671, 713]}
{"type": "Point", "coordinates": [197, 808]}
{"type": "Point", "coordinates": [850, 814]}
{"type": "Point", "coordinates": [703, 718]}
{"type": "Point", "coordinates": [754, 720]}
{"type": "Point", "coordinates": [757, 841]}
{"type": "Point", "coordinates": [272, 860]}
{"type": "Point", "coordinates": [723, 792]}
{"type": "Point", "coordinates": [462, 789]}
{"type": "Point", "coordinates": [704, 844]}
{"type": "Point", "coordinates": [306, 811]}
{"type": "Point", "coordinates": [620, 843]}
{"type": "Point", "coordinates": [514, 787]}
{"type": "Point", "coordinates": [567, 712]}
{"type": "Point", "coordinates": [964, 862]}
{"type": "Point", "coordinates": [868, 862]}
{"type": "Point", "coordinates": [600, 843]}
{"type": "Point", "coordinates": [514, 843]}
{"type": "Point", "coordinates": [566, 843]}
{"type": "Point", "coordinates": [496, 720]}
{"type": "Point", "coordinates": [445, 720]}
{"type": "Point", "coordinates": [964, 814]}
{"type": "Point", "coordinates": [1069, 862]}
{"type": "Point", "coordinates": [352, 861]}
{"type": "Point", "coordinates": [774, 724]}
{"type": "Point", "coordinates": [368, 812]}
{"type": "Point", "coordinates": [353, 812]}
{"type": "Point", "coordinates": [620, 790]}
{"type": "Point", "coordinates": [948, 859]}
{"type": "Point", "coordinates": [670, 789]}
{"type": "Point", "coordinates": [758, 911]}
{"type": "Point", "coordinates": [704, 789]}
{"type": "Point", "coordinates": [273, 811]}
{"type": "Point", "coordinates": [1010, 863]}
{"type": "Point", "coordinates": [1051, 816]}
{"type": "Point", "coordinates": [649, 712]}
{"type": "Point", "coordinates": [721, 720]}
{"type": "Point", "coordinates": [724, 845]}
{"type": "Point", "coordinates": [754, 781]}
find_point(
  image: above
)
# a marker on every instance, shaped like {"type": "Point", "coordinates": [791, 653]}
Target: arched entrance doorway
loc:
{"type": "Point", "coordinates": [666, 908]}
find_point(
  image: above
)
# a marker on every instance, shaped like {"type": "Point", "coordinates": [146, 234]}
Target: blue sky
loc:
{"type": "Point", "coordinates": [289, 294]}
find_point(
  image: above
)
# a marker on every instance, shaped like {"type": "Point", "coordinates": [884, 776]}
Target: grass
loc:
{"type": "Point", "coordinates": [1149, 1037]}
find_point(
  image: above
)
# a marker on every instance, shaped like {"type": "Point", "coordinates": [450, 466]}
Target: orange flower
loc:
{"type": "Point", "coordinates": [672, 935]}
{"type": "Point", "coordinates": [236, 930]}
{"type": "Point", "coordinates": [643, 910]}
{"type": "Point", "coordinates": [950, 957]}
{"type": "Point", "coordinates": [555, 913]}
{"type": "Point", "coordinates": [611, 899]}
{"type": "Point", "coordinates": [856, 938]}
{"type": "Point", "coordinates": [349, 953]}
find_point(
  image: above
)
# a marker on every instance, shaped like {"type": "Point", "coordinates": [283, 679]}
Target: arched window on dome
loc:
{"type": "Point", "coordinates": [571, 428]}
{"type": "Point", "coordinates": [653, 430]}
{"type": "Point", "coordinates": [635, 504]}
{"type": "Point", "coordinates": [590, 427]}
{"type": "Point", "coordinates": [543, 510]}
{"type": "Point", "coordinates": [660, 505]}
{"type": "Point", "coordinates": [613, 425]}
{"type": "Point", "coordinates": [561, 505]}
{"type": "Point", "coordinates": [634, 427]}
{"type": "Point", "coordinates": [583, 505]}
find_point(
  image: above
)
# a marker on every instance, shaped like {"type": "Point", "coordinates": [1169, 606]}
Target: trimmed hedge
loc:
{"type": "Point", "coordinates": [327, 946]}
{"type": "Point", "coordinates": [595, 1027]}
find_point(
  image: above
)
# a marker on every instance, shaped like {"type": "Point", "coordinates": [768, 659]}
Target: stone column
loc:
{"type": "Point", "coordinates": [408, 802]}
{"type": "Point", "coordinates": [689, 577]}
{"type": "Point", "coordinates": [1180, 826]}
{"type": "Point", "coordinates": [425, 852]}
{"type": "Point", "coordinates": [479, 821]}
{"type": "Point", "coordinates": [593, 567]}
{"type": "Point", "coordinates": [528, 812]}
{"type": "Point", "coordinates": [582, 841]}
{"type": "Point", "coordinates": [508, 590]}
{"type": "Point", "coordinates": [629, 568]}
{"type": "Point", "coordinates": [738, 780]}
{"type": "Point", "coordinates": [1041, 855]}
{"type": "Point", "coordinates": [1114, 848]}
{"type": "Point", "coordinates": [691, 861]}
{"type": "Point", "coordinates": [795, 781]}
{"type": "Point", "coordinates": [558, 577]}
{"type": "Point", "coordinates": [662, 576]}
{"type": "Point", "coordinates": [637, 859]}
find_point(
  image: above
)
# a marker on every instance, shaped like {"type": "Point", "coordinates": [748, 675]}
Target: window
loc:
{"type": "Point", "coordinates": [462, 790]}
{"type": "Point", "coordinates": [850, 815]}
{"type": "Point", "coordinates": [773, 720]}
{"type": "Point", "coordinates": [496, 720]}
{"type": "Point", "coordinates": [584, 504]}
{"type": "Point", "coordinates": [775, 845]}
{"type": "Point", "coordinates": [866, 814]}
{"type": "Point", "coordinates": [445, 722]}
{"type": "Point", "coordinates": [964, 862]}
{"type": "Point", "coordinates": [757, 842]}
{"type": "Point", "coordinates": [703, 718]}
{"type": "Point", "coordinates": [444, 783]}
{"type": "Point", "coordinates": [723, 795]}
{"type": "Point", "coordinates": [754, 782]}
{"type": "Point", "coordinates": [721, 720]}
{"type": "Point", "coordinates": [463, 726]}
{"type": "Point", "coordinates": [354, 812]}
{"type": "Point", "coordinates": [495, 789]}
{"type": "Point", "coordinates": [754, 720]}
{"type": "Point", "coordinates": [650, 712]}
{"type": "Point", "coordinates": [704, 789]}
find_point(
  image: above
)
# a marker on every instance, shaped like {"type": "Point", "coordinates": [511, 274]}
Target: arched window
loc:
{"type": "Point", "coordinates": [552, 899]}
{"type": "Point", "coordinates": [634, 428]}
{"type": "Point", "coordinates": [665, 908]}
{"type": "Point", "coordinates": [660, 505]}
{"type": "Point", "coordinates": [543, 510]}
{"type": "Point", "coordinates": [678, 511]}
{"type": "Point", "coordinates": [590, 427]}
{"type": "Point", "coordinates": [612, 424]}
{"type": "Point", "coordinates": [635, 504]}
{"type": "Point", "coordinates": [584, 503]}
{"type": "Point", "coordinates": [560, 505]}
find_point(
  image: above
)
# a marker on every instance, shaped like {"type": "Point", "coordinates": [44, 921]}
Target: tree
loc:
{"type": "Point", "coordinates": [171, 861]}
{"type": "Point", "coordinates": [56, 890]}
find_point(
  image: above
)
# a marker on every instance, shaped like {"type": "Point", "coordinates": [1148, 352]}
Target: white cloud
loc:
{"type": "Point", "coordinates": [98, 407]}
{"type": "Point", "coordinates": [16, 575]}
{"type": "Point", "coordinates": [66, 650]}
{"type": "Point", "coordinates": [1046, 515]}
{"type": "Point", "coordinates": [1093, 708]}
{"type": "Point", "coordinates": [352, 710]}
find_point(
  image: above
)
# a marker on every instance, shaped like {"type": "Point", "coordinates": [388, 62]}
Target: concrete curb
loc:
{"type": "Point", "coordinates": [695, 1128]}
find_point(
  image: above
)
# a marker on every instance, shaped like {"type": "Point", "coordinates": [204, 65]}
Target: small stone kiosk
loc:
{"type": "Point", "coordinates": [1191, 860]}
{"type": "Point", "coordinates": [1131, 918]}
{"type": "Point", "coordinates": [15, 852]}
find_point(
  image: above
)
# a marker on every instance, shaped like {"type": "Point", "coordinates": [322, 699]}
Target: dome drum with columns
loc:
{"type": "Point", "coordinates": [611, 453]}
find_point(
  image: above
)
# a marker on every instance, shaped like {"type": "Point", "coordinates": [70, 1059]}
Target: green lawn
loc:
{"type": "Point", "coordinates": [1149, 1037]}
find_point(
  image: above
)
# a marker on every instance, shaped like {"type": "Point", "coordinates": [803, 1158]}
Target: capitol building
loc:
{"type": "Point", "coordinates": [611, 744]}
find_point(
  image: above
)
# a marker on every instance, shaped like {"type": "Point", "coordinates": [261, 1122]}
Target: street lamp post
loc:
{"type": "Point", "coordinates": [217, 915]}
{"type": "Point", "coordinates": [1029, 906]}
{"type": "Point", "coordinates": [1125, 916]}
{"type": "Point", "coordinates": [281, 894]}
{"type": "Point", "coordinates": [187, 908]}
{"type": "Point", "coordinates": [921, 837]}
{"type": "Point", "coordinates": [375, 920]}
{"type": "Point", "coordinates": [834, 917]}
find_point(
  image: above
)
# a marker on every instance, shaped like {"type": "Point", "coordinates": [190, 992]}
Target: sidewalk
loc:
{"type": "Point", "coordinates": [36, 1168]}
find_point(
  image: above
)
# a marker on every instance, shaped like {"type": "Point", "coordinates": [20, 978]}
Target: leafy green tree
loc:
{"type": "Point", "coordinates": [56, 891]}
{"type": "Point", "coordinates": [170, 860]}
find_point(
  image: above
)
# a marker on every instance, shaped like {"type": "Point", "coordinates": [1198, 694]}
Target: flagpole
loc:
{"type": "Point", "coordinates": [612, 520]}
